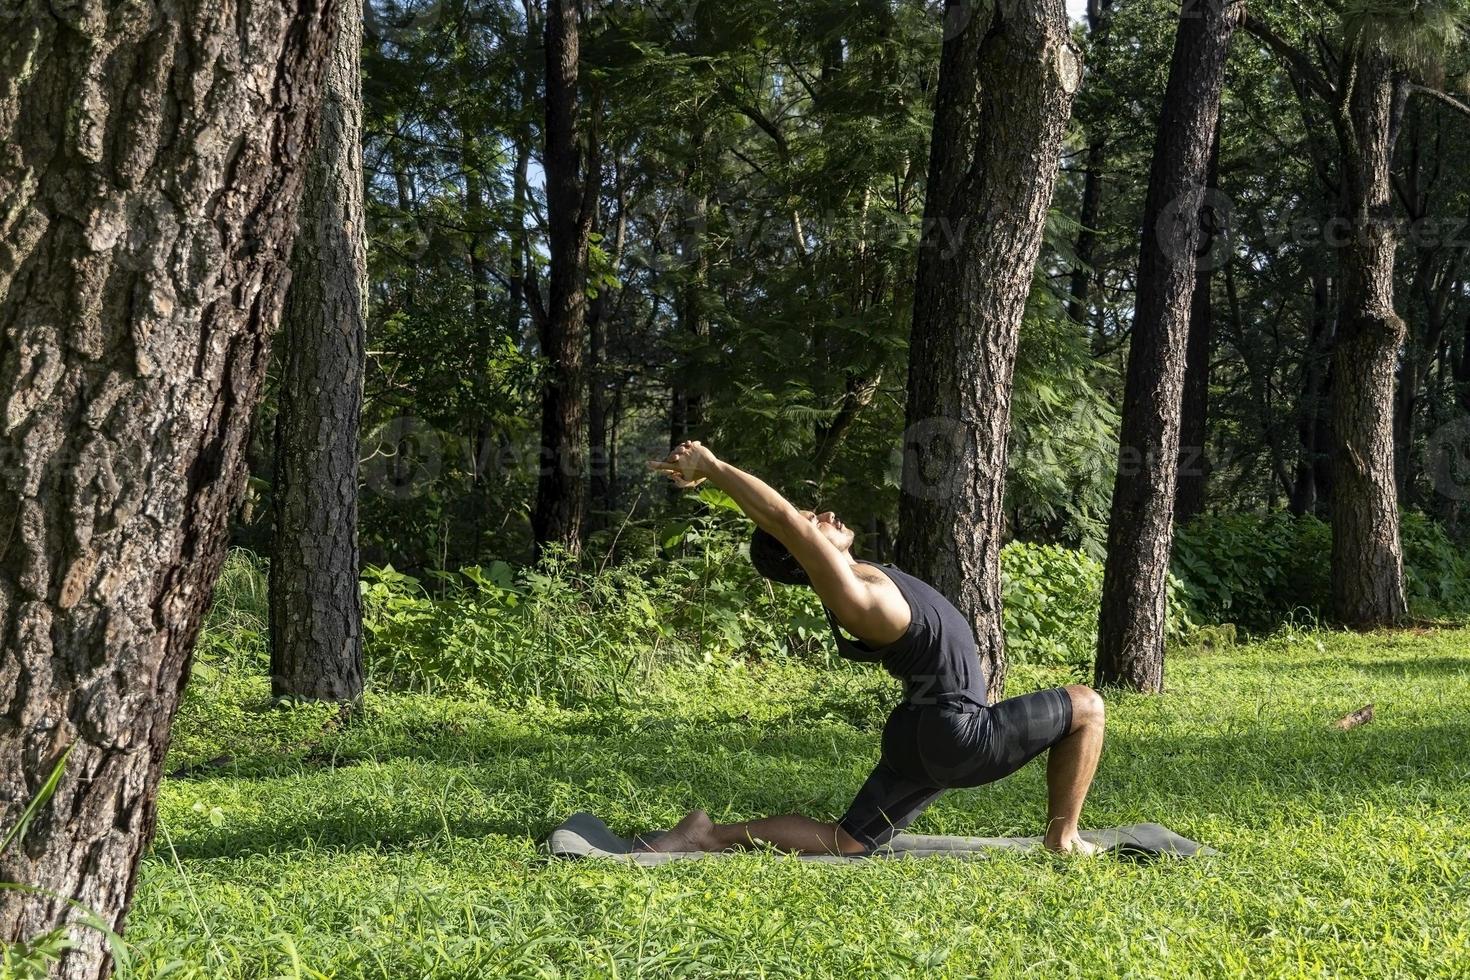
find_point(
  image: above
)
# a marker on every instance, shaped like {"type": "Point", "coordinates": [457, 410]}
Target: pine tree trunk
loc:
{"type": "Point", "coordinates": [1141, 529]}
{"type": "Point", "coordinates": [1367, 558]}
{"type": "Point", "coordinates": [1194, 411]}
{"type": "Point", "coordinates": [571, 197]}
{"type": "Point", "coordinates": [1005, 93]}
{"type": "Point", "coordinates": [1312, 430]}
{"type": "Point", "coordinates": [315, 602]}
{"type": "Point", "coordinates": [148, 195]}
{"type": "Point", "coordinates": [1096, 120]}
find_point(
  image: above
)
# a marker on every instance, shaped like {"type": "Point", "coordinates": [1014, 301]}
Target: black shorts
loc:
{"type": "Point", "coordinates": [930, 748]}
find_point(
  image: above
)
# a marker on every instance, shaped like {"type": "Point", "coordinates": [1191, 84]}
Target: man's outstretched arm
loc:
{"type": "Point", "coordinates": [690, 464]}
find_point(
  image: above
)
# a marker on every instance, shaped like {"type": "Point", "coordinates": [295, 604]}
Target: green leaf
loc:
{"type": "Point", "coordinates": [39, 801]}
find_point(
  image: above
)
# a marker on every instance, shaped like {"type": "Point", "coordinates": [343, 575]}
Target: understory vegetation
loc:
{"type": "Point", "coordinates": [404, 843]}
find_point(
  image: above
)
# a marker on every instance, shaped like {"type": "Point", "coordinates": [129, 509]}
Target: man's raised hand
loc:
{"type": "Point", "coordinates": [688, 465]}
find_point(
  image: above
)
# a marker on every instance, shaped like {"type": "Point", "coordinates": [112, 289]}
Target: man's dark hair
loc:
{"type": "Point", "coordinates": [772, 559]}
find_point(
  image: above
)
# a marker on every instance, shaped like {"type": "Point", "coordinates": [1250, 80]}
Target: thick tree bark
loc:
{"type": "Point", "coordinates": [572, 181]}
{"type": "Point", "coordinates": [149, 182]}
{"type": "Point", "coordinates": [315, 602]}
{"type": "Point", "coordinates": [1194, 411]}
{"type": "Point", "coordinates": [1141, 530]}
{"type": "Point", "coordinates": [1367, 557]}
{"type": "Point", "coordinates": [1005, 92]}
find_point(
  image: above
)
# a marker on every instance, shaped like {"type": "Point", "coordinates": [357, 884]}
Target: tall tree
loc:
{"type": "Point", "coordinates": [148, 199]}
{"type": "Point", "coordinates": [1365, 88]}
{"type": "Point", "coordinates": [572, 163]}
{"type": "Point", "coordinates": [1194, 410]}
{"type": "Point", "coordinates": [1096, 119]}
{"type": "Point", "coordinates": [1006, 82]}
{"type": "Point", "coordinates": [315, 602]}
{"type": "Point", "coordinates": [1141, 529]}
{"type": "Point", "coordinates": [1367, 555]}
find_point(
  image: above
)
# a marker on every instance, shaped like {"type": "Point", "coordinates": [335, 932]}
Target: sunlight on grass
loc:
{"type": "Point", "coordinates": [404, 846]}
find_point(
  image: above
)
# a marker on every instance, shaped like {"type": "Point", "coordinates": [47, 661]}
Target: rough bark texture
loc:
{"type": "Point", "coordinates": [1194, 410]}
{"type": "Point", "coordinates": [1367, 557]}
{"type": "Point", "coordinates": [151, 167]}
{"type": "Point", "coordinates": [315, 603]}
{"type": "Point", "coordinates": [1005, 93]}
{"type": "Point", "coordinates": [571, 203]}
{"type": "Point", "coordinates": [1141, 529]}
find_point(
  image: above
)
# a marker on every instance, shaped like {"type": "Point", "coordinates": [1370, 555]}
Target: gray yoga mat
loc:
{"type": "Point", "coordinates": [584, 835]}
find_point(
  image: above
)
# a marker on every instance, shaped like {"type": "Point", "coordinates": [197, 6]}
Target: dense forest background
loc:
{"type": "Point", "coordinates": [757, 220]}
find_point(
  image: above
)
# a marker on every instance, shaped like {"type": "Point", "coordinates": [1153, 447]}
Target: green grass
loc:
{"type": "Point", "coordinates": [404, 845]}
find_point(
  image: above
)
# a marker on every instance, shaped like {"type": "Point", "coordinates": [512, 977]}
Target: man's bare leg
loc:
{"type": "Point", "coordinates": [1070, 766]}
{"type": "Point", "coordinates": [803, 835]}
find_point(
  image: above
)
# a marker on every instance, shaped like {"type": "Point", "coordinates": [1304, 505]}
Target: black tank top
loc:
{"type": "Point", "coordinates": [935, 658]}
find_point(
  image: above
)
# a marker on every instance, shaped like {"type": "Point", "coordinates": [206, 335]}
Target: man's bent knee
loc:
{"type": "Point", "coordinates": [1087, 706]}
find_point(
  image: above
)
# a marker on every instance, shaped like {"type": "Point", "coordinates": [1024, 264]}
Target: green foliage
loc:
{"type": "Point", "coordinates": [572, 631]}
{"type": "Point", "coordinates": [1436, 571]}
{"type": "Point", "coordinates": [1261, 570]}
{"type": "Point", "coordinates": [1254, 570]}
{"type": "Point", "coordinates": [1051, 599]}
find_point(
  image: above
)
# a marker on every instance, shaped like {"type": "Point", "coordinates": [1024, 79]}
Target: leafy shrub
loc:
{"type": "Point", "coordinates": [1262, 570]}
{"type": "Point", "coordinates": [1254, 570]}
{"type": "Point", "coordinates": [236, 632]}
{"type": "Point", "coordinates": [1436, 572]}
{"type": "Point", "coordinates": [1051, 599]}
{"type": "Point", "coordinates": [571, 630]}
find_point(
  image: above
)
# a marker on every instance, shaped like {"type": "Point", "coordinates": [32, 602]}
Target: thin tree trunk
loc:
{"type": "Point", "coordinates": [1141, 530]}
{"type": "Point", "coordinates": [571, 198]}
{"type": "Point", "coordinates": [687, 410]}
{"type": "Point", "coordinates": [598, 319]}
{"type": "Point", "coordinates": [1312, 431]}
{"type": "Point", "coordinates": [1005, 93]}
{"type": "Point", "coordinates": [1098, 21]}
{"type": "Point", "coordinates": [1367, 557]}
{"type": "Point", "coordinates": [315, 602]}
{"type": "Point", "coordinates": [1194, 421]}
{"type": "Point", "coordinates": [147, 205]}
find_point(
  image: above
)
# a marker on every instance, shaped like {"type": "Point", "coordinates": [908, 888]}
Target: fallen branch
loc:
{"type": "Point", "coordinates": [1360, 717]}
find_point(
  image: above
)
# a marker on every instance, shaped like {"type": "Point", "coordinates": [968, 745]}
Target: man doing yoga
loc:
{"type": "Point", "coordinates": [943, 734]}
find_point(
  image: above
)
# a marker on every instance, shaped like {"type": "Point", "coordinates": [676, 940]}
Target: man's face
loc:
{"type": "Point", "coordinates": [839, 534]}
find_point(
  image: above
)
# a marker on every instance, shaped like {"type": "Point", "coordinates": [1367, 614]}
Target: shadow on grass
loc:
{"type": "Point", "coordinates": [1250, 777]}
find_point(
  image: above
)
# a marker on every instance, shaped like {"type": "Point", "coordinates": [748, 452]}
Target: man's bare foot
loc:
{"type": "Point", "coordinates": [694, 833]}
{"type": "Point", "coordinates": [1071, 844]}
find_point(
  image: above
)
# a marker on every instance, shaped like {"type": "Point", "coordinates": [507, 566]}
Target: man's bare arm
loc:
{"type": "Point", "coordinates": [830, 571]}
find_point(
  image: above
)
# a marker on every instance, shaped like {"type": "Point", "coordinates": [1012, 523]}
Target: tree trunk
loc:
{"type": "Point", "coordinates": [1367, 558]}
{"type": "Point", "coordinates": [1098, 22]}
{"type": "Point", "coordinates": [1313, 432]}
{"type": "Point", "coordinates": [1005, 93]}
{"type": "Point", "coordinates": [571, 203]}
{"type": "Point", "coordinates": [315, 602]}
{"type": "Point", "coordinates": [598, 403]}
{"type": "Point", "coordinates": [148, 196]}
{"type": "Point", "coordinates": [1194, 412]}
{"type": "Point", "coordinates": [1141, 529]}
{"type": "Point", "coordinates": [687, 409]}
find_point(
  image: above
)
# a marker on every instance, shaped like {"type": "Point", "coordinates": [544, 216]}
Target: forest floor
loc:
{"type": "Point", "coordinates": [404, 845]}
